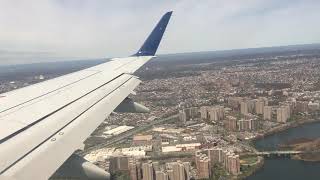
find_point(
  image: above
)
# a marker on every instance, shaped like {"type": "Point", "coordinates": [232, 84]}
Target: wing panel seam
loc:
{"type": "Point", "coordinates": [50, 92]}
{"type": "Point", "coordinates": [3, 171]}
{"type": "Point", "coordinates": [39, 120]}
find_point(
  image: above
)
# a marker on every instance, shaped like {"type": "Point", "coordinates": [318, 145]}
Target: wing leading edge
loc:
{"type": "Point", "coordinates": [151, 44]}
{"type": "Point", "coordinates": [44, 124]}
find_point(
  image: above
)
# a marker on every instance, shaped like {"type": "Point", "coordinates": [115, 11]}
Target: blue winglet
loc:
{"type": "Point", "coordinates": [151, 44]}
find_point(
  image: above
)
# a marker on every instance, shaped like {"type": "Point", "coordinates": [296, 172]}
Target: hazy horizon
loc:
{"type": "Point", "coordinates": [90, 29]}
{"type": "Point", "coordinates": [215, 53]}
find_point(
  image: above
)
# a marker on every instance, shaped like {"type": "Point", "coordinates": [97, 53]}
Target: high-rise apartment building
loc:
{"type": "Point", "coordinates": [301, 106]}
{"type": "Point", "coordinates": [231, 123]}
{"type": "Point", "coordinates": [283, 113]}
{"type": "Point", "coordinates": [180, 170]}
{"type": "Point", "coordinates": [119, 163]}
{"type": "Point", "coordinates": [147, 171]}
{"type": "Point", "coordinates": [267, 113]}
{"type": "Point", "coordinates": [215, 155]}
{"type": "Point", "coordinates": [248, 124]}
{"type": "Point", "coordinates": [170, 174]}
{"type": "Point", "coordinates": [204, 112]}
{"type": "Point", "coordinates": [259, 106]}
{"type": "Point", "coordinates": [182, 117]}
{"type": "Point", "coordinates": [160, 175]}
{"type": "Point", "coordinates": [234, 102]}
{"type": "Point", "coordinates": [244, 107]}
{"type": "Point", "coordinates": [231, 162]}
{"type": "Point", "coordinates": [203, 165]}
{"type": "Point", "coordinates": [135, 170]}
{"type": "Point", "coordinates": [216, 113]}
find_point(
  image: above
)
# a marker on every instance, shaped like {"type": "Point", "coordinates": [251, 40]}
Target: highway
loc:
{"type": "Point", "coordinates": [125, 135]}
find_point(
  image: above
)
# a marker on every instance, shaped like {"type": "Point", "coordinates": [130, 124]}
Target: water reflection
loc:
{"type": "Point", "coordinates": [287, 168]}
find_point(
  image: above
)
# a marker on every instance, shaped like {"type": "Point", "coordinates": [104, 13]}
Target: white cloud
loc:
{"type": "Point", "coordinates": [96, 28]}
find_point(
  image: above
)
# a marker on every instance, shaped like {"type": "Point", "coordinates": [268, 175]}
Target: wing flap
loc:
{"type": "Point", "coordinates": [16, 98]}
{"type": "Point", "coordinates": [37, 109]}
{"type": "Point", "coordinates": [68, 138]}
{"type": "Point", "coordinates": [43, 124]}
{"type": "Point", "coordinates": [20, 96]}
{"type": "Point", "coordinates": [33, 136]}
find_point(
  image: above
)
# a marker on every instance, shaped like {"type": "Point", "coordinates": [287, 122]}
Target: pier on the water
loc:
{"type": "Point", "coordinates": [279, 153]}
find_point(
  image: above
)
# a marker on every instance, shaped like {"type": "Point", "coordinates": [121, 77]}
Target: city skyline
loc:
{"type": "Point", "coordinates": [208, 114]}
{"type": "Point", "coordinates": [205, 109]}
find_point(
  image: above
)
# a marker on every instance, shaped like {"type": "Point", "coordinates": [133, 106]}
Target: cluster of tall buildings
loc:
{"type": "Point", "coordinates": [231, 162]}
{"type": "Point", "coordinates": [205, 162]}
{"type": "Point", "coordinates": [283, 113]}
{"type": "Point", "coordinates": [215, 155]}
{"type": "Point", "coordinates": [170, 171]}
{"type": "Point", "coordinates": [267, 113]}
{"type": "Point", "coordinates": [248, 106]}
{"type": "Point", "coordinates": [203, 165]}
{"type": "Point", "coordinates": [234, 102]}
{"type": "Point", "coordinates": [260, 107]}
{"type": "Point", "coordinates": [248, 123]}
{"type": "Point", "coordinates": [128, 165]}
{"type": "Point", "coordinates": [305, 106]}
{"type": "Point", "coordinates": [313, 106]}
{"type": "Point", "coordinates": [149, 170]}
{"type": "Point", "coordinates": [135, 171]}
{"type": "Point", "coordinates": [231, 123]}
{"type": "Point", "coordinates": [253, 106]}
{"type": "Point", "coordinates": [188, 114]}
{"type": "Point", "coordinates": [285, 110]}
{"type": "Point", "coordinates": [178, 170]}
{"type": "Point", "coordinates": [213, 113]}
{"type": "Point", "coordinates": [302, 106]}
{"type": "Point", "coordinates": [119, 163]}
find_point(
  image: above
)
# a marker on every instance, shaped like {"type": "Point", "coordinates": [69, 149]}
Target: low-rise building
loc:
{"type": "Point", "coordinates": [142, 139]}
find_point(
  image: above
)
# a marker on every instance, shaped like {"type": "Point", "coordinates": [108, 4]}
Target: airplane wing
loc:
{"type": "Point", "coordinates": [42, 125]}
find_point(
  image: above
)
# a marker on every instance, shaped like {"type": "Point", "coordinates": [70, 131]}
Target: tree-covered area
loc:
{"type": "Point", "coordinates": [218, 172]}
{"type": "Point", "coordinates": [120, 176]}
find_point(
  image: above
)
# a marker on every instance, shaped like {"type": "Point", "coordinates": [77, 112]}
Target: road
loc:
{"type": "Point", "coordinates": [127, 134]}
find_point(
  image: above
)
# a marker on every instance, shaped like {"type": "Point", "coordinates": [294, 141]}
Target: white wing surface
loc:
{"type": "Point", "coordinates": [44, 124]}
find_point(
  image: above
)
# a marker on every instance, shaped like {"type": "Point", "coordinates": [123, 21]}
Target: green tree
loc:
{"type": "Point", "coordinates": [217, 172]}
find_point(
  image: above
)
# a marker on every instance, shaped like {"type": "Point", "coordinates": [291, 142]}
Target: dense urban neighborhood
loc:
{"type": "Point", "coordinates": [204, 116]}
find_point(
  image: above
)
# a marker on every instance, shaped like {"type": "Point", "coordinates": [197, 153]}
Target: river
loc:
{"type": "Point", "coordinates": [284, 168]}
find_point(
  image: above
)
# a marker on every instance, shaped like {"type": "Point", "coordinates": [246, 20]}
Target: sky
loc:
{"type": "Point", "coordinates": [44, 30]}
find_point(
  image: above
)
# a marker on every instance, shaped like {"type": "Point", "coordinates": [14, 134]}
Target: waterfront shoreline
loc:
{"type": "Point", "coordinates": [253, 168]}
{"type": "Point", "coordinates": [300, 167]}
{"type": "Point", "coordinates": [273, 131]}
{"type": "Point", "coordinates": [299, 158]}
{"type": "Point", "coordinates": [282, 128]}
